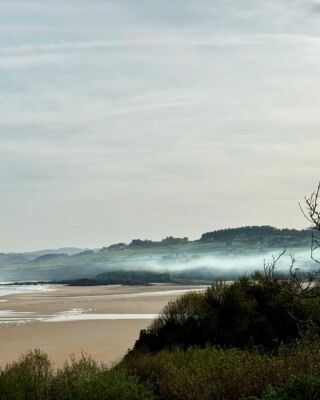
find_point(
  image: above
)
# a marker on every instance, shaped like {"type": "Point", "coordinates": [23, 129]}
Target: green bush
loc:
{"type": "Point", "coordinates": [254, 311]}
{"type": "Point", "coordinates": [297, 388]}
{"type": "Point", "coordinates": [85, 379]}
{"type": "Point", "coordinates": [211, 373]}
{"type": "Point", "coordinates": [27, 379]}
{"type": "Point", "coordinates": [33, 378]}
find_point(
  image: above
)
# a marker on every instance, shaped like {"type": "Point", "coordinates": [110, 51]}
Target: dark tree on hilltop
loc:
{"type": "Point", "coordinates": [253, 234]}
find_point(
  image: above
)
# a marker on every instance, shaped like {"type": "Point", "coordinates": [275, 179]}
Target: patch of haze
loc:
{"type": "Point", "coordinates": [194, 265]}
{"type": "Point", "coordinates": [241, 264]}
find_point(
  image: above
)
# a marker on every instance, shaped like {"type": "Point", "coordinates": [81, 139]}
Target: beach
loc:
{"type": "Point", "coordinates": [101, 321]}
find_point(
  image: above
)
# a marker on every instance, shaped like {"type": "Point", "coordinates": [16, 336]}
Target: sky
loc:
{"type": "Point", "coordinates": [142, 119]}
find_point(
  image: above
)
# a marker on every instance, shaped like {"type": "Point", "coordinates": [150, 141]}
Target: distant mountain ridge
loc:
{"type": "Point", "coordinates": [258, 233]}
{"type": "Point", "coordinates": [248, 233]}
{"type": "Point", "coordinates": [24, 257]}
{"type": "Point", "coordinates": [218, 253]}
{"type": "Point", "coordinates": [255, 233]}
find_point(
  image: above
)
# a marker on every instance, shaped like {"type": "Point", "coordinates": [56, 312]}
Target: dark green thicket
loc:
{"type": "Point", "coordinates": [254, 311]}
{"type": "Point", "coordinates": [233, 341]}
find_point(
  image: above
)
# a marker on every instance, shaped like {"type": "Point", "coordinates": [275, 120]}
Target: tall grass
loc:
{"type": "Point", "coordinates": [34, 378]}
{"type": "Point", "coordinates": [219, 374]}
{"type": "Point", "coordinates": [206, 373]}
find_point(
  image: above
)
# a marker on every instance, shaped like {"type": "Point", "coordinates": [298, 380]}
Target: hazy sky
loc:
{"type": "Point", "coordinates": [140, 119]}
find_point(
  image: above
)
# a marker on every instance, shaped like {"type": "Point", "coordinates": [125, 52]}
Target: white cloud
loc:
{"type": "Point", "coordinates": [154, 118]}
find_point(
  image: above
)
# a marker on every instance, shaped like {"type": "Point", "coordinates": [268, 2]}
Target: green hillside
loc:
{"type": "Point", "coordinates": [211, 256]}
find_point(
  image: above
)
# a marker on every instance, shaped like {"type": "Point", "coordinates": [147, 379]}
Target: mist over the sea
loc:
{"type": "Point", "coordinates": [189, 266]}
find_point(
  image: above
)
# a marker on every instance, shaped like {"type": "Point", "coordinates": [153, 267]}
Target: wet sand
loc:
{"type": "Point", "coordinates": [106, 340]}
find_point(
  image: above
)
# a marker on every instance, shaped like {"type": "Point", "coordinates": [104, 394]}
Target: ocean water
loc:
{"type": "Point", "coordinates": [78, 314]}
{"type": "Point", "coordinates": [8, 316]}
{"type": "Point", "coordinates": [16, 317]}
{"type": "Point", "coordinates": [145, 294]}
{"type": "Point", "coordinates": [7, 289]}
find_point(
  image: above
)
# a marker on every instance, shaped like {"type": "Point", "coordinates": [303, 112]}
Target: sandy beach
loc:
{"type": "Point", "coordinates": [103, 321]}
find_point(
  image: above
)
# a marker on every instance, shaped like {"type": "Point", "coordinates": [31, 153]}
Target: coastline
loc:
{"type": "Point", "coordinates": [103, 321]}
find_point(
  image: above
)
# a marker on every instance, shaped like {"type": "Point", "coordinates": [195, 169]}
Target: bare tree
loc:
{"type": "Point", "coordinates": [303, 284]}
{"type": "Point", "coordinates": [311, 211]}
{"type": "Point", "coordinates": [306, 283]}
{"type": "Point", "coordinates": [269, 267]}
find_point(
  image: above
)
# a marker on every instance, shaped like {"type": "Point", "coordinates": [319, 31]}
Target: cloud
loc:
{"type": "Point", "coordinates": [120, 120]}
{"type": "Point", "coordinates": [208, 40]}
{"type": "Point", "coordinates": [28, 61]}
{"type": "Point", "coordinates": [84, 45]}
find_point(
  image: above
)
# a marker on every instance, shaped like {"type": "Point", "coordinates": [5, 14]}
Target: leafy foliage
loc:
{"type": "Point", "coordinates": [33, 378]}
{"type": "Point", "coordinates": [254, 311]}
{"type": "Point", "coordinates": [214, 373]}
{"type": "Point", "coordinates": [28, 378]}
{"type": "Point", "coordinates": [297, 388]}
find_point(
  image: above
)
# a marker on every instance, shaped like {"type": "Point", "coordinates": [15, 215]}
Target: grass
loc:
{"type": "Point", "coordinates": [296, 388]}
{"type": "Point", "coordinates": [34, 378]}
{"type": "Point", "coordinates": [217, 374]}
{"type": "Point", "coordinates": [195, 374]}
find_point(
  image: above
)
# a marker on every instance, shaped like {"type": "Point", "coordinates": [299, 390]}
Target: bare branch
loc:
{"type": "Point", "coordinates": [270, 266]}
{"type": "Point", "coordinates": [312, 214]}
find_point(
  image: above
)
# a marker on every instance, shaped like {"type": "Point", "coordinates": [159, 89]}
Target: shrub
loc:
{"type": "Point", "coordinates": [254, 311]}
{"type": "Point", "coordinates": [33, 378]}
{"type": "Point", "coordinates": [85, 379]}
{"type": "Point", "coordinates": [27, 379]}
{"type": "Point", "coordinates": [297, 388]}
{"type": "Point", "coordinates": [217, 374]}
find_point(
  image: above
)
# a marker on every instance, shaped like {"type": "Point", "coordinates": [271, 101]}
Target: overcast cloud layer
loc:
{"type": "Point", "coordinates": [124, 119]}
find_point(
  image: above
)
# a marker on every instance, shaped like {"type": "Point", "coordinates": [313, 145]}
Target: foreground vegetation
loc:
{"type": "Point", "coordinates": [212, 373]}
{"type": "Point", "coordinates": [209, 373]}
{"type": "Point", "coordinates": [34, 378]}
{"type": "Point", "coordinates": [254, 339]}
{"type": "Point", "coordinates": [258, 311]}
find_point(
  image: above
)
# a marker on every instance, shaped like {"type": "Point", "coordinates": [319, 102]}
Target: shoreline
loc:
{"type": "Point", "coordinates": [103, 321]}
